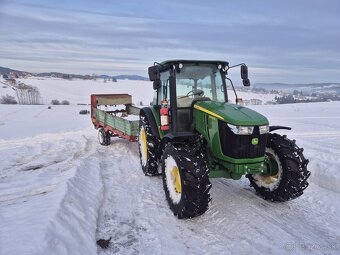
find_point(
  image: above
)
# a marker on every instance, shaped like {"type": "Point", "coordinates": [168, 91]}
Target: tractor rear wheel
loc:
{"type": "Point", "coordinates": [147, 148]}
{"type": "Point", "coordinates": [185, 180]}
{"type": "Point", "coordinates": [104, 138]}
{"type": "Point", "coordinates": [288, 168]}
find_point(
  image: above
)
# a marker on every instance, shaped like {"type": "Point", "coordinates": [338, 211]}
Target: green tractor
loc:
{"type": "Point", "coordinates": [191, 133]}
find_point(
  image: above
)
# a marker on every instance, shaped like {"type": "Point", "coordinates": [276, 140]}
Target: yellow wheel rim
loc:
{"type": "Point", "coordinates": [270, 182]}
{"type": "Point", "coordinates": [143, 144]}
{"type": "Point", "coordinates": [270, 179]}
{"type": "Point", "coordinates": [177, 179]}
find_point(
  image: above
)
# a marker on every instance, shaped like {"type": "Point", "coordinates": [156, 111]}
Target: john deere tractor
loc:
{"type": "Point", "coordinates": [192, 133]}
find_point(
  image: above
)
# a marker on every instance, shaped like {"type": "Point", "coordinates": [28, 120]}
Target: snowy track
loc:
{"type": "Point", "coordinates": [61, 192]}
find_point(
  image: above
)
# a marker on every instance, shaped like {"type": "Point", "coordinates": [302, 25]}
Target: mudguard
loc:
{"type": "Point", "coordinates": [272, 128]}
{"type": "Point", "coordinates": [151, 119]}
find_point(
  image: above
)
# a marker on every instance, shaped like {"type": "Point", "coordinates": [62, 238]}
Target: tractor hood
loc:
{"type": "Point", "coordinates": [231, 113]}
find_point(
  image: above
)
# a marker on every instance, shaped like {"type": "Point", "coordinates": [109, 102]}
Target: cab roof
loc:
{"type": "Point", "coordinates": [183, 61]}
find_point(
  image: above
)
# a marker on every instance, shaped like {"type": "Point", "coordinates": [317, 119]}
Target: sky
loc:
{"type": "Point", "coordinates": [291, 41]}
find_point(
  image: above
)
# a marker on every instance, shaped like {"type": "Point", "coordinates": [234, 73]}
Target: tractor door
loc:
{"type": "Point", "coordinates": [194, 83]}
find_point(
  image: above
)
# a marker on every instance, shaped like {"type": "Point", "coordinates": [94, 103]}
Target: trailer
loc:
{"type": "Point", "coordinates": [113, 115]}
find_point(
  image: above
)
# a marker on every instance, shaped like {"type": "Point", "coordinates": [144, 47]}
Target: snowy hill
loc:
{"type": "Point", "coordinates": [60, 190]}
{"type": "Point", "coordinates": [319, 88]}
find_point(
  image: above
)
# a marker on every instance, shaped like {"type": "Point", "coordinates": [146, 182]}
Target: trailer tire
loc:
{"type": "Point", "coordinates": [291, 178]}
{"type": "Point", "coordinates": [148, 148]}
{"type": "Point", "coordinates": [104, 138]}
{"type": "Point", "coordinates": [185, 180]}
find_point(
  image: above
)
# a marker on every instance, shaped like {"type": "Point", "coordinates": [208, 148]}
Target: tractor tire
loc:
{"type": "Point", "coordinates": [104, 138]}
{"type": "Point", "coordinates": [290, 179]}
{"type": "Point", "coordinates": [148, 148]}
{"type": "Point", "coordinates": [185, 180]}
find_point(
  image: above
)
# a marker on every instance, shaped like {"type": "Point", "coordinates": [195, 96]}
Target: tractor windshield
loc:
{"type": "Point", "coordinates": [198, 80]}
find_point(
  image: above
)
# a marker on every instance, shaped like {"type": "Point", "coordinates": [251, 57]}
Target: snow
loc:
{"type": "Point", "coordinates": [60, 190]}
{"type": "Point", "coordinates": [78, 91]}
{"type": "Point", "coordinates": [19, 121]}
{"type": "Point", "coordinates": [131, 117]}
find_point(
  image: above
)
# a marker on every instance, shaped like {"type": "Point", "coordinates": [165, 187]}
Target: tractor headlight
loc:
{"type": "Point", "coordinates": [241, 130]}
{"type": "Point", "coordinates": [264, 129]}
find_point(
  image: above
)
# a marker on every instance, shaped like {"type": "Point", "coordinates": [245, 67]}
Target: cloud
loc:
{"type": "Point", "coordinates": [277, 38]}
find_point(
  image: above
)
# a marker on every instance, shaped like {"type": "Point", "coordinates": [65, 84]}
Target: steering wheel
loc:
{"type": "Point", "coordinates": [193, 92]}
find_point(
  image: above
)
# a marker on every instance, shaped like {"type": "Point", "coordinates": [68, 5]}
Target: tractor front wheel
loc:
{"type": "Point", "coordinates": [288, 174]}
{"type": "Point", "coordinates": [185, 180]}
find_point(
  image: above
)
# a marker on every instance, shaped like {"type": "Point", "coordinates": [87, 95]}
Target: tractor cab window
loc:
{"type": "Point", "coordinates": [198, 80]}
{"type": "Point", "coordinates": [163, 93]}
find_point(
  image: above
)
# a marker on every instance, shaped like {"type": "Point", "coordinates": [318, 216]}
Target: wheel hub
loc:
{"type": "Point", "coordinates": [272, 177]}
{"type": "Point", "coordinates": [177, 179]}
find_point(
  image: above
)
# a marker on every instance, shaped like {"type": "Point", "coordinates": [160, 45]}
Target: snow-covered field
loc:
{"type": "Point", "coordinates": [77, 91]}
{"type": "Point", "coordinates": [60, 190]}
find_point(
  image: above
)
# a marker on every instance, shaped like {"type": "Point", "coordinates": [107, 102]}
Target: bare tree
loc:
{"type": "Point", "coordinates": [27, 94]}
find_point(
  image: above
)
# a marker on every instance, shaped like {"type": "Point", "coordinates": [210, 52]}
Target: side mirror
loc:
{"type": "Point", "coordinates": [246, 82]}
{"type": "Point", "coordinates": [157, 84]}
{"type": "Point", "coordinates": [244, 72]}
{"type": "Point", "coordinates": [154, 73]}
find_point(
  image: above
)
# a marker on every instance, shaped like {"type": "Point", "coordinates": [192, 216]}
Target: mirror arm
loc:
{"type": "Point", "coordinates": [242, 64]}
{"type": "Point", "coordinates": [231, 82]}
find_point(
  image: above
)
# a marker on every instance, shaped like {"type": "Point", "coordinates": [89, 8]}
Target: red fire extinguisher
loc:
{"type": "Point", "coordinates": [164, 111]}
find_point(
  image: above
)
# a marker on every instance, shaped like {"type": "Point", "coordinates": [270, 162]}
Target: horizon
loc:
{"type": "Point", "coordinates": [133, 74]}
{"type": "Point", "coordinates": [281, 42]}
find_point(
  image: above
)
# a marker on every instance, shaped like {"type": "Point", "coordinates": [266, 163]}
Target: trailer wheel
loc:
{"type": "Point", "coordinates": [288, 168]}
{"type": "Point", "coordinates": [185, 180]}
{"type": "Point", "coordinates": [147, 148]}
{"type": "Point", "coordinates": [104, 138]}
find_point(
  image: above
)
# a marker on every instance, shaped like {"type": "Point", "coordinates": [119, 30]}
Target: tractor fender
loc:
{"type": "Point", "coordinates": [146, 111]}
{"type": "Point", "coordinates": [176, 137]}
{"type": "Point", "coordinates": [272, 128]}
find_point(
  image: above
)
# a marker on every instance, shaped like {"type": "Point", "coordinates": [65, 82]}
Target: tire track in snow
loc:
{"type": "Point", "coordinates": [44, 159]}
{"type": "Point", "coordinates": [126, 196]}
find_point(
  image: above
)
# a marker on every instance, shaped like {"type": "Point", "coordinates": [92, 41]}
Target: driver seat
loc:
{"type": "Point", "coordinates": [185, 115]}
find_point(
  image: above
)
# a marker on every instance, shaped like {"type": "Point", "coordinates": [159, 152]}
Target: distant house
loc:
{"type": "Point", "coordinates": [13, 75]}
{"type": "Point", "coordinates": [252, 101]}
{"type": "Point", "coordinates": [255, 101]}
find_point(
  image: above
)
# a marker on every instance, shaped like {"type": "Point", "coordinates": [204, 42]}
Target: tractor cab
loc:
{"type": "Point", "coordinates": [183, 83]}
